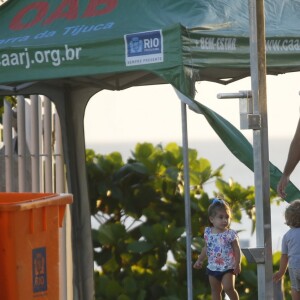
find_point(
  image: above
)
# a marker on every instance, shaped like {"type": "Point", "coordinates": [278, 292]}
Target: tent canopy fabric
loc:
{"type": "Point", "coordinates": [117, 44]}
{"type": "Point", "coordinates": [69, 50]}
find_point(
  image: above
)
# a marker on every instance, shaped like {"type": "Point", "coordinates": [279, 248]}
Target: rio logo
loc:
{"type": "Point", "coordinates": [36, 12]}
{"type": "Point", "coordinates": [144, 43]}
{"type": "Point", "coordinates": [151, 43]}
{"type": "Point", "coordinates": [144, 48]}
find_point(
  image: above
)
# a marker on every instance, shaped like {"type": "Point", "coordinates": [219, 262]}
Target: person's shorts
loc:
{"type": "Point", "coordinates": [295, 278]}
{"type": "Point", "coordinates": [218, 274]}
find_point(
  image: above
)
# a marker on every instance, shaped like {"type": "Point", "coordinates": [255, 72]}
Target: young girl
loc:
{"type": "Point", "coordinates": [223, 251]}
{"type": "Point", "coordinates": [290, 249]}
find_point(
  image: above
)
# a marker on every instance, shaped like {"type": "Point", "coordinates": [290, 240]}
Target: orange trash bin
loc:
{"type": "Point", "coordinates": [29, 244]}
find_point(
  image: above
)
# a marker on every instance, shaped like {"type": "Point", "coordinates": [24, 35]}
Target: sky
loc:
{"type": "Point", "coordinates": [153, 114]}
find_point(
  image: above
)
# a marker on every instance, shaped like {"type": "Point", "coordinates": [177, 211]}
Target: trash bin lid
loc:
{"type": "Point", "coordinates": [21, 201]}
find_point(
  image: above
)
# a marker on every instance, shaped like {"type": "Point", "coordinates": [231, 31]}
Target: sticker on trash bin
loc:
{"type": "Point", "coordinates": [39, 270]}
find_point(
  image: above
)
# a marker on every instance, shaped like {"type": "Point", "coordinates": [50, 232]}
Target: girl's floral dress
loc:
{"type": "Point", "coordinates": [219, 249]}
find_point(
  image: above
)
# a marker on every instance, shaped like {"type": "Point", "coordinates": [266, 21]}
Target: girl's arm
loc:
{"type": "Point", "coordinates": [199, 262]}
{"type": "Point", "coordinates": [237, 255]}
{"type": "Point", "coordinates": [282, 268]}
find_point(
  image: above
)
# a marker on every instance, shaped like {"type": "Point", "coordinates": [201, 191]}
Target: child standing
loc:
{"type": "Point", "coordinates": [223, 251]}
{"type": "Point", "coordinates": [290, 249]}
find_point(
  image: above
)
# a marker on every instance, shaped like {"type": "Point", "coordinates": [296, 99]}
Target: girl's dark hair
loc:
{"type": "Point", "coordinates": [216, 205]}
{"type": "Point", "coordinates": [292, 214]}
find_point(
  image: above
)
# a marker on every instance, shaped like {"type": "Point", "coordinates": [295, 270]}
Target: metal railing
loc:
{"type": "Point", "coordinates": [31, 156]}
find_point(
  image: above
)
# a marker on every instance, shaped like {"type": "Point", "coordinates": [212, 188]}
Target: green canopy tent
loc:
{"type": "Point", "coordinates": [69, 50]}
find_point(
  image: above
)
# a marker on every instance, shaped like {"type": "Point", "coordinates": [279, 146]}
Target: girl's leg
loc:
{"type": "Point", "coordinates": [295, 283]}
{"type": "Point", "coordinates": [228, 282]}
{"type": "Point", "coordinates": [216, 288]}
{"type": "Point", "coordinates": [295, 295]}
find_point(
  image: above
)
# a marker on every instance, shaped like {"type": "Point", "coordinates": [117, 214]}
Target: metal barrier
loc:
{"type": "Point", "coordinates": [31, 147]}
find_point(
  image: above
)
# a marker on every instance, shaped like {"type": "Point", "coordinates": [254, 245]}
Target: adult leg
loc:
{"type": "Point", "coordinates": [216, 288]}
{"type": "Point", "coordinates": [228, 282]}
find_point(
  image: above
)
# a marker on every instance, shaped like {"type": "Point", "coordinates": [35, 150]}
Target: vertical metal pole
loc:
{"type": "Point", "coordinates": [59, 158]}
{"type": "Point", "coordinates": [8, 152]}
{"type": "Point", "coordinates": [21, 143]}
{"type": "Point", "coordinates": [35, 141]}
{"type": "Point", "coordinates": [260, 148]}
{"type": "Point", "coordinates": [187, 201]}
{"type": "Point", "coordinates": [47, 134]}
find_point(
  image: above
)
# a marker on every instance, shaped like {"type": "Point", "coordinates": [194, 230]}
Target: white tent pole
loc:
{"type": "Point", "coordinates": [260, 148]}
{"type": "Point", "coordinates": [187, 201]}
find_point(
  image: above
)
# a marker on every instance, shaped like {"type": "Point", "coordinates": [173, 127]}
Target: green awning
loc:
{"type": "Point", "coordinates": [179, 41]}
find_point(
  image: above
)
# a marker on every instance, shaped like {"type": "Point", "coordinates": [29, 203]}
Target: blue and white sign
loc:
{"type": "Point", "coordinates": [144, 48]}
{"type": "Point", "coordinates": [39, 270]}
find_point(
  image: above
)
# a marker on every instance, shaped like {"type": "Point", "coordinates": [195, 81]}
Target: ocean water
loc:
{"type": "Point", "coordinates": [218, 154]}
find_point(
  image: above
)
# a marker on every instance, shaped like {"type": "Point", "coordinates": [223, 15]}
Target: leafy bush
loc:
{"type": "Point", "coordinates": [140, 245]}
